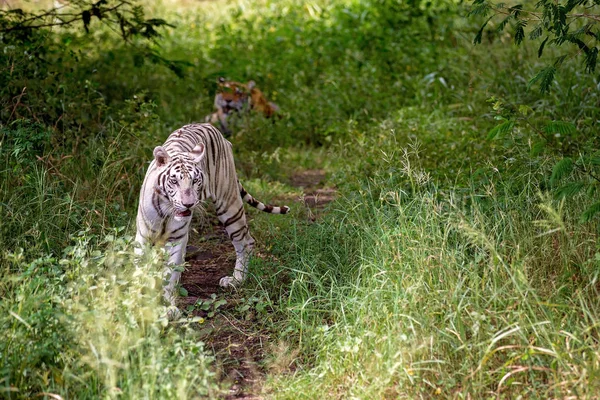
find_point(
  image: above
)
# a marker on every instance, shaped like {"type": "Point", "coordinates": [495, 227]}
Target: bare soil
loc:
{"type": "Point", "coordinates": [239, 347]}
{"type": "Point", "coordinates": [311, 183]}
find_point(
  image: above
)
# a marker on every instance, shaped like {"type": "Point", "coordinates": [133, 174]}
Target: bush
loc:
{"type": "Point", "coordinates": [91, 323]}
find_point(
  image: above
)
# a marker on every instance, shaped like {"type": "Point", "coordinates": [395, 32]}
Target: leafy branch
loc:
{"type": "Point", "coordinates": [128, 16]}
{"type": "Point", "coordinates": [124, 17]}
{"type": "Point", "coordinates": [569, 22]}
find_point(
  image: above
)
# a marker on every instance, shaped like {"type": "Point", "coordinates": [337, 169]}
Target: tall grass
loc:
{"type": "Point", "coordinates": [443, 269]}
{"type": "Point", "coordinates": [411, 289]}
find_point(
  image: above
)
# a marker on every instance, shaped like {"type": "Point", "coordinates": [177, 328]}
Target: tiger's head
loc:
{"type": "Point", "coordinates": [231, 96]}
{"type": "Point", "coordinates": [236, 96]}
{"type": "Point", "coordinates": [180, 179]}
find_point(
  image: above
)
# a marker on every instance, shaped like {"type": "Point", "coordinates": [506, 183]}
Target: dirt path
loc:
{"type": "Point", "coordinates": [239, 347]}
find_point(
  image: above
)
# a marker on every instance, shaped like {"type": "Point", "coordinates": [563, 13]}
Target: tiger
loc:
{"type": "Point", "coordinates": [235, 97]}
{"type": "Point", "coordinates": [193, 165]}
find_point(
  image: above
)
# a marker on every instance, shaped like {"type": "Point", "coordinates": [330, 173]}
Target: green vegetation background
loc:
{"type": "Point", "coordinates": [447, 267]}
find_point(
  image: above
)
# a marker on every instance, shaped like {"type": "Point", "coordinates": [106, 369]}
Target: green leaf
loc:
{"type": "Point", "coordinates": [220, 303]}
{"type": "Point", "coordinates": [594, 160]}
{"type": "Point", "coordinates": [525, 110]}
{"type": "Point", "coordinates": [545, 77]}
{"type": "Point", "coordinates": [560, 169]}
{"type": "Point", "coordinates": [477, 39]}
{"type": "Point", "coordinates": [591, 190]}
{"type": "Point", "coordinates": [481, 7]}
{"type": "Point", "coordinates": [591, 59]}
{"type": "Point", "coordinates": [499, 131]}
{"type": "Point", "coordinates": [590, 212]}
{"type": "Point", "coordinates": [541, 49]}
{"type": "Point", "coordinates": [159, 22]}
{"type": "Point", "coordinates": [569, 190]}
{"type": "Point", "coordinates": [536, 32]}
{"type": "Point", "coordinates": [516, 10]}
{"type": "Point", "coordinates": [562, 127]}
{"type": "Point", "coordinates": [520, 31]}
{"type": "Point", "coordinates": [183, 291]}
{"type": "Point", "coordinates": [537, 148]}
{"type": "Point", "coordinates": [502, 24]}
{"type": "Point", "coordinates": [559, 60]}
{"type": "Point", "coordinates": [583, 30]}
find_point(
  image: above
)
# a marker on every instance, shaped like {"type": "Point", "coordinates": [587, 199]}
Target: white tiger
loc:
{"type": "Point", "coordinates": [194, 164]}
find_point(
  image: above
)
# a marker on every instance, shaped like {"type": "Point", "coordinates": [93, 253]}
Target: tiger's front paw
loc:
{"type": "Point", "coordinates": [229, 282]}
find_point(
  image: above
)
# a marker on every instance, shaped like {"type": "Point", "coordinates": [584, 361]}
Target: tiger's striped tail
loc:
{"type": "Point", "coordinates": [247, 197]}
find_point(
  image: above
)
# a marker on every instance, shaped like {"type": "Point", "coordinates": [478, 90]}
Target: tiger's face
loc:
{"type": "Point", "coordinates": [234, 97]}
{"type": "Point", "coordinates": [231, 96]}
{"type": "Point", "coordinates": [180, 179]}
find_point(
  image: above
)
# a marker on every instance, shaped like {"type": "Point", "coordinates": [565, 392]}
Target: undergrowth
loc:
{"type": "Point", "coordinates": [448, 266]}
{"type": "Point", "coordinates": [413, 288]}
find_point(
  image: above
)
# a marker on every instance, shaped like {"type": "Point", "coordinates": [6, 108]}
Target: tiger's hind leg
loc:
{"type": "Point", "coordinates": [237, 230]}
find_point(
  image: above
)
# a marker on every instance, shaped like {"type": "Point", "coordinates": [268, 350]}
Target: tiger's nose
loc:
{"type": "Point", "coordinates": [188, 205]}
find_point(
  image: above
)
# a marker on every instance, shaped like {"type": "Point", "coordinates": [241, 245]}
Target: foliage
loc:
{"type": "Point", "coordinates": [90, 322]}
{"type": "Point", "coordinates": [210, 306]}
{"type": "Point", "coordinates": [122, 16]}
{"type": "Point", "coordinates": [581, 175]}
{"type": "Point", "coordinates": [571, 22]}
{"type": "Point", "coordinates": [410, 287]}
{"type": "Point", "coordinates": [450, 265]}
{"type": "Point", "coordinates": [23, 140]}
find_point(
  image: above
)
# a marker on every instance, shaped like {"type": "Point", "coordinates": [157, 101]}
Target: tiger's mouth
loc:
{"type": "Point", "coordinates": [182, 214]}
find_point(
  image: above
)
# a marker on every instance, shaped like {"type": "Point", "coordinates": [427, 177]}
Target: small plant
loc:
{"type": "Point", "coordinates": [91, 322]}
{"type": "Point", "coordinates": [209, 306]}
{"type": "Point", "coordinates": [251, 306]}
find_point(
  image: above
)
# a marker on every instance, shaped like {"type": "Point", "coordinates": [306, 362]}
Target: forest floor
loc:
{"type": "Point", "coordinates": [460, 258]}
{"type": "Point", "coordinates": [239, 347]}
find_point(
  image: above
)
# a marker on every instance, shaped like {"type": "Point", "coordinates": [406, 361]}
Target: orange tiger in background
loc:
{"type": "Point", "coordinates": [233, 97]}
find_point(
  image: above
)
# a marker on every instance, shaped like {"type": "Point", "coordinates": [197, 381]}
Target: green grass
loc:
{"type": "Point", "coordinates": [407, 290]}
{"type": "Point", "coordinates": [445, 268]}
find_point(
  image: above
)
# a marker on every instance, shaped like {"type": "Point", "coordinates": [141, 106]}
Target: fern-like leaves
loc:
{"type": "Point", "coordinates": [569, 190]}
{"type": "Point", "coordinates": [590, 212]}
{"type": "Point", "coordinates": [545, 78]}
{"type": "Point", "coordinates": [520, 31]}
{"type": "Point", "coordinates": [561, 168]}
{"type": "Point", "coordinates": [561, 127]}
{"type": "Point", "coordinates": [501, 130]}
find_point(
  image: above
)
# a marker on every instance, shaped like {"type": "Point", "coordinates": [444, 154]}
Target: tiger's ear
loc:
{"type": "Point", "coordinates": [161, 156]}
{"type": "Point", "coordinates": [251, 85]}
{"type": "Point", "coordinates": [197, 153]}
